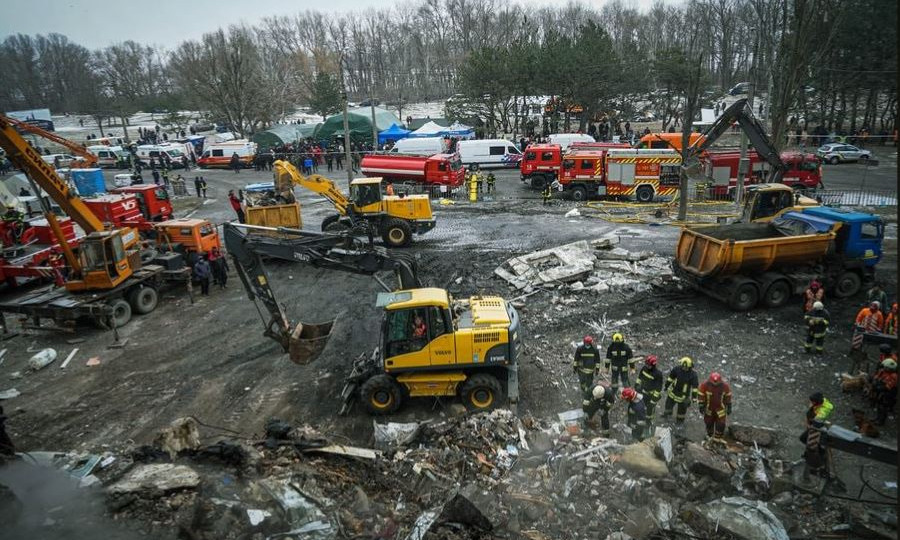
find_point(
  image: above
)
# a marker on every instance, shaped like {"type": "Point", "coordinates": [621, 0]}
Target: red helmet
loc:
{"type": "Point", "coordinates": [715, 378]}
{"type": "Point", "coordinates": [651, 360]}
{"type": "Point", "coordinates": [588, 340]}
{"type": "Point", "coordinates": [629, 394]}
{"type": "Point", "coordinates": [815, 284]}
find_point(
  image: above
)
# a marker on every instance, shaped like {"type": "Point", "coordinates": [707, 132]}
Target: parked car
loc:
{"type": "Point", "coordinates": [835, 153]}
{"type": "Point", "coordinates": [739, 88]}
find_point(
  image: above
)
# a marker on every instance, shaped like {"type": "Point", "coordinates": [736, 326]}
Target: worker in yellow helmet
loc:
{"type": "Point", "coordinates": [682, 386]}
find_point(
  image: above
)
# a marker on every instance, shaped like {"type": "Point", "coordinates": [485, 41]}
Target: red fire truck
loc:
{"type": "Point", "coordinates": [541, 162]}
{"type": "Point", "coordinates": [439, 169]}
{"type": "Point", "coordinates": [802, 170]}
{"type": "Point", "coordinates": [153, 201]}
{"type": "Point", "coordinates": [137, 206]}
{"type": "Point", "coordinates": [639, 174]}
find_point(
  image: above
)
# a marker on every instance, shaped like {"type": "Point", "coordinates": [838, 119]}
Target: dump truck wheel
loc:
{"type": "Point", "coordinates": [744, 296]}
{"type": "Point", "coordinates": [538, 181]}
{"type": "Point", "coordinates": [121, 312]}
{"type": "Point", "coordinates": [644, 194]}
{"type": "Point", "coordinates": [847, 285]}
{"type": "Point", "coordinates": [381, 394]}
{"type": "Point", "coordinates": [143, 300]}
{"type": "Point", "coordinates": [481, 392]}
{"type": "Point", "coordinates": [777, 294]}
{"type": "Point", "coordinates": [397, 233]}
{"type": "Point", "coordinates": [334, 224]}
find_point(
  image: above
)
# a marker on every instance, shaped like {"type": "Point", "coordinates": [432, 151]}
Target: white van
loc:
{"type": "Point", "coordinates": [566, 139]}
{"type": "Point", "coordinates": [107, 156]}
{"type": "Point", "coordinates": [147, 151]}
{"type": "Point", "coordinates": [488, 153]}
{"type": "Point", "coordinates": [423, 146]}
{"type": "Point", "coordinates": [219, 154]}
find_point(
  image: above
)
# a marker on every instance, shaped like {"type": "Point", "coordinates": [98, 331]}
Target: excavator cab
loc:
{"type": "Point", "coordinates": [766, 202]}
{"type": "Point", "coordinates": [366, 192]}
{"type": "Point", "coordinates": [104, 262]}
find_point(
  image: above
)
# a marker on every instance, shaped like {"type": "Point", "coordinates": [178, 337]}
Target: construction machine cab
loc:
{"type": "Point", "coordinates": [104, 262]}
{"type": "Point", "coordinates": [766, 202]}
{"type": "Point", "coordinates": [365, 192]}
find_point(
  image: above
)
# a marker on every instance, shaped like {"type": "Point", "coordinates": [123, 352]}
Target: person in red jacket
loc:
{"type": "Point", "coordinates": [715, 404]}
{"type": "Point", "coordinates": [236, 205]}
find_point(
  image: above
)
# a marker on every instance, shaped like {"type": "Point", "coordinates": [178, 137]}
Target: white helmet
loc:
{"type": "Point", "coordinates": [818, 305]}
{"type": "Point", "coordinates": [599, 391]}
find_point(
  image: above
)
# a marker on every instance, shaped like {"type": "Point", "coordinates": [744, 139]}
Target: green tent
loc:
{"type": "Point", "coordinates": [284, 133]}
{"type": "Point", "coordinates": [360, 123]}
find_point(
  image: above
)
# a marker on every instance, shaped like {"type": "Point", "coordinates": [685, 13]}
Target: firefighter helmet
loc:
{"type": "Point", "coordinates": [715, 377]}
{"type": "Point", "coordinates": [588, 340]}
{"type": "Point", "coordinates": [889, 364]}
{"type": "Point", "coordinates": [875, 305]}
{"type": "Point", "coordinates": [618, 337]}
{"type": "Point", "coordinates": [818, 305]}
{"type": "Point", "coordinates": [628, 394]}
{"type": "Point", "coordinates": [686, 362]}
{"type": "Point", "coordinates": [599, 391]}
{"type": "Point", "coordinates": [651, 360]}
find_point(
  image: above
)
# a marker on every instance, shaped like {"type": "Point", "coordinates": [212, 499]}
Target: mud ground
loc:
{"type": "Point", "coordinates": [209, 359]}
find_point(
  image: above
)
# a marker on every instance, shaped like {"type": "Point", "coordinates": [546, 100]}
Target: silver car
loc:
{"type": "Point", "coordinates": [835, 153]}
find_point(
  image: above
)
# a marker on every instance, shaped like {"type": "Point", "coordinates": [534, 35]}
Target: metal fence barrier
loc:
{"type": "Point", "coordinates": [705, 192]}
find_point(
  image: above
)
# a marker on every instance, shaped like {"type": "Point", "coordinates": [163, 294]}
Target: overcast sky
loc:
{"type": "Point", "coordinates": [97, 23]}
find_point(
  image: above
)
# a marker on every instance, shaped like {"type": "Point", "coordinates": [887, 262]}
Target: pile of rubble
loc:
{"type": "Point", "coordinates": [596, 265]}
{"type": "Point", "coordinates": [488, 475]}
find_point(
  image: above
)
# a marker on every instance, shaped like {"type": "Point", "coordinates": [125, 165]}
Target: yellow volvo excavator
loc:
{"type": "Point", "coordinates": [395, 218]}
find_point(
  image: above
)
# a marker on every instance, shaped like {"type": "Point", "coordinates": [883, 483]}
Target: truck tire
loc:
{"type": "Point", "coordinates": [381, 394]}
{"type": "Point", "coordinates": [481, 392]}
{"type": "Point", "coordinates": [538, 181]}
{"type": "Point", "coordinates": [847, 285]}
{"type": "Point", "coordinates": [396, 233]}
{"type": "Point", "coordinates": [121, 312]}
{"type": "Point", "coordinates": [143, 300]}
{"type": "Point", "coordinates": [744, 295]}
{"type": "Point", "coordinates": [579, 193]}
{"type": "Point", "coordinates": [777, 294]}
{"type": "Point", "coordinates": [333, 223]}
{"type": "Point", "coordinates": [644, 194]}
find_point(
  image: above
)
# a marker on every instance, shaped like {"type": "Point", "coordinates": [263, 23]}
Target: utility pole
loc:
{"type": "Point", "coordinates": [744, 163]}
{"type": "Point", "coordinates": [349, 156]}
{"type": "Point", "coordinates": [374, 125]}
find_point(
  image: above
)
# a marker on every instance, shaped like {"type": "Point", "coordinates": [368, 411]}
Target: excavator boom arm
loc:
{"type": "Point", "coordinates": [90, 159]}
{"type": "Point", "coordinates": [285, 171]}
{"type": "Point", "coordinates": [25, 157]}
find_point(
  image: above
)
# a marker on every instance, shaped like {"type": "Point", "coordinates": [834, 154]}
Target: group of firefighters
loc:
{"type": "Point", "coordinates": [713, 396]}
{"type": "Point", "coordinates": [476, 182]}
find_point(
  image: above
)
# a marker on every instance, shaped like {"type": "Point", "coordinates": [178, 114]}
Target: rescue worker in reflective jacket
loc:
{"type": "Point", "coordinates": [715, 404]}
{"type": "Point", "coordinates": [682, 389]}
{"type": "Point", "coordinates": [816, 415]}
{"type": "Point", "coordinates": [601, 399]}
{"type": "Point", "coordinates": [620, 359]}
{"type": "Point", "coordinates": [816, 325]}
{"type": "Point", "coordinates": [637, 413]}
{"type": "Point", "coordinates": [883, 389]}
{"type": "Point", "coordinates": [890, 322]}
{"type": "Point", "coordinates": [586, 364]}
{"type": "Point", "coordinates": [650, 383]}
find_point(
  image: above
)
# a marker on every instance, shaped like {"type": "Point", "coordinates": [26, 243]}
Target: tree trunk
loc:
{"type": "Point", "coordinates": [100, 125]}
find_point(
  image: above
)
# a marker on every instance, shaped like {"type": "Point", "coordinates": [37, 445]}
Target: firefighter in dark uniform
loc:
{"type": "Point", "coordinates": [585, 364]}
{"type": "Point", "coordinates": [490, 182]}
{"type": "Point", "coordinates": [637, 413]}
{"type": "Point", "coordinates": [546, 194]}
{"type": "Point", "coordinates": [816, 325]}
{"type": "Point", "coordinates": [620, 359]}
{"type": "Point", "coordinates": [601, 400]}
{"type": "Point", "coordinates": [650, 383]}
{"type": "Point", "coordinates": [682, 386]}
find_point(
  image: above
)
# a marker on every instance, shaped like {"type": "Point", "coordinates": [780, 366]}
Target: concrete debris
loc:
{"type": "Point", "coordinates": [663, 437]}
{"type": "Point", "coordinates": [157, 478]}
{"type": "Point", "coordinates": [42, 359]}
{"type": "Point", "coordinates": [9, 394]}
{"type": "Point", "coordinates": [749, 434]}
{"type": "Point", "coordinates": [573, 213]}
{"type": "Point", "coordinates": [640, 459]}
{"type": "Point", "coordinates": [745, 519]}
{"type": "Point", "coordinates": [182, 434]}
{"type": "Point", "coordinates": [394, 434]}
{"type": "Point", "coordinates": [701, 461]}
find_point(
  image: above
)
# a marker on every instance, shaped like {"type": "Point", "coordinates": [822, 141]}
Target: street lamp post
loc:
{"type": "Point", "coordinates": [347, 153]}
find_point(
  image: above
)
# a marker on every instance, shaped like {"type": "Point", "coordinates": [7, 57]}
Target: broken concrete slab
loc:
{"type": "Point", "coordinates": [160, 477]}
{"type": "Point", "coordinates": [745, 519]}
{"type": "Point", "coordinates": [701, 461]}
{"type": "Point", "coordinates": [663, 438]}
{"type": "Point", "coordinates": [639, 458]}
{"type": "Point", "coordinates": [640, 524]}
{"type": "Point", "coordinates": [749, 434]}
{"type": "Point", "coordinates": [474, 507]}
{"type": "Point", "coordinates": [181, 434]}
{"type": "Point", "coordinates": [394, 434]}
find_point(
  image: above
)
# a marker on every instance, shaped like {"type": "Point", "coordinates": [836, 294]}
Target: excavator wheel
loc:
{"type": "Point", "coordinates": [481, 392]}
{"type": "Point", "coordinates": [143, 300]}
{"type": "Point", "coordinates": [396, 233]}
{"type": "Point", "coordinates": [333, 224]}
{"type": "Point", "coordinates": [381, 394]}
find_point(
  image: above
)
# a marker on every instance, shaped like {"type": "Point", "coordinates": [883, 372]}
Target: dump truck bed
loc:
{"type": "Point", "coordinates": [746, 248]}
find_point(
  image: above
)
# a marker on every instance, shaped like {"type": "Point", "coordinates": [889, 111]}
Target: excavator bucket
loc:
{"type": "Point", "coordinates": [308, 341]}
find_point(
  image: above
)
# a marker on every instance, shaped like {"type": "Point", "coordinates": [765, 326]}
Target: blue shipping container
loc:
{"type": "Point", "coordinates": [88, 181]}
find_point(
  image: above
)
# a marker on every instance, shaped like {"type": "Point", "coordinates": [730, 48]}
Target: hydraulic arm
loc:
{"type": "Point", "coordinates": [90, 160]}
{"type": "Point", "coordinates": [285, 172]}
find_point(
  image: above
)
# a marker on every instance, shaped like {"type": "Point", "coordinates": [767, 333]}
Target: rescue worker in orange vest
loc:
{"type": "Point", "coordinates": [650, 383]}
{"type": "Point", "coordinates": [815, 455]}
{"type": "Point", "coordinates": [890, 322]}
{"type": "Point", "coordinates": [882, 389]}
{"type": "Point", "coordinates": [620, 360]}
{"type": "Point", "coordinates": [682, 389]}
{"type": "Point", "coordinates": [715, 404]}
{"type": "Point", "coordinates": [816, 326]}
{"type": "Point", "coordinates": [868, 320]}
{"type": "Point", "coordinates": [814, 293]}
{"type": "Point", "coordinates": [585, 365]}
{"type": "Point", "coordinates": [637, 413]}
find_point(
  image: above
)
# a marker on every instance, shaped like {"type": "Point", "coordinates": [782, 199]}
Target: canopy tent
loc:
{"type": "Point", "coordinates": [430, 129]}
{"type": "Point", "coordinates": [393, 133]}
{"type": "Point", "coordinates": [360, 122]}
{"type": "Point", "coordinates": [460, 131]}
{"type": "Point", "coordinates": [283, 134]}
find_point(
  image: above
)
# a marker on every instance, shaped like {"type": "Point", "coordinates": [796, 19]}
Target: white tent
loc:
{"type": "Point", "coordinates": [460, 131]}
{"type": "Point", "coordinates": [429, 129]}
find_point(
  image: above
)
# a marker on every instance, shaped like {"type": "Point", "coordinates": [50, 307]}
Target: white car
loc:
{"type": "Point", "coordinates": [835, 153]}
{"type": "Point", "coordinates": [124, 180]}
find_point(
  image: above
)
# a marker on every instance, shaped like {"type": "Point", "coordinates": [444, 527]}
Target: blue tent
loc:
{"type": "Point", "coordinates": [394, 132]}
{"type": "Point", "coordinates": [460, 131]}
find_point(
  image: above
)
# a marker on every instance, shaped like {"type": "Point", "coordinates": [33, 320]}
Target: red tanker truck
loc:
{"type": "Point", "coordinates": [439, 169]}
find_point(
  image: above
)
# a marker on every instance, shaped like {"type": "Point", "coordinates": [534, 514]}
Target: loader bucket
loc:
{"type": "Point", "coordinates": [308, 341]}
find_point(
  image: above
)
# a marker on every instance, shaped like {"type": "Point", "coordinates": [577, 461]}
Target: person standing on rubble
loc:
{"type": "Point", "coordinates": [814, 293]}
{"type": "Point", "coordinates": [601, 400]}
{"type": "Point", "coordinates": [868, 320]}
{"type": "Point", "coordinates": [882, 388]}
{"type": "Point", "coordinates": [620, 360]}
{"type": "Point", "coordinates": [682, 389]}
{"type": "Point", "coordinates": [202, 273]}
{"type": "Point", "coordinates": [816, 325]}
{"type": "Point", "coordinates": [637, 413]}
{"type": "Point", "coordinates": [585, 365]}
{"type": "Point", "coordinates": [815, 455]}
{"type": "Point", "coordinates": [715, 405]}
{"type": "Point", "coordinates": [649, 382]}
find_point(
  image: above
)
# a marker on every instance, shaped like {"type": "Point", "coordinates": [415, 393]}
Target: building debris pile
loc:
{"type": "Point", "coordinates": [596, 265]}
{"type": "Point", "coordinates": [488, 475]}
